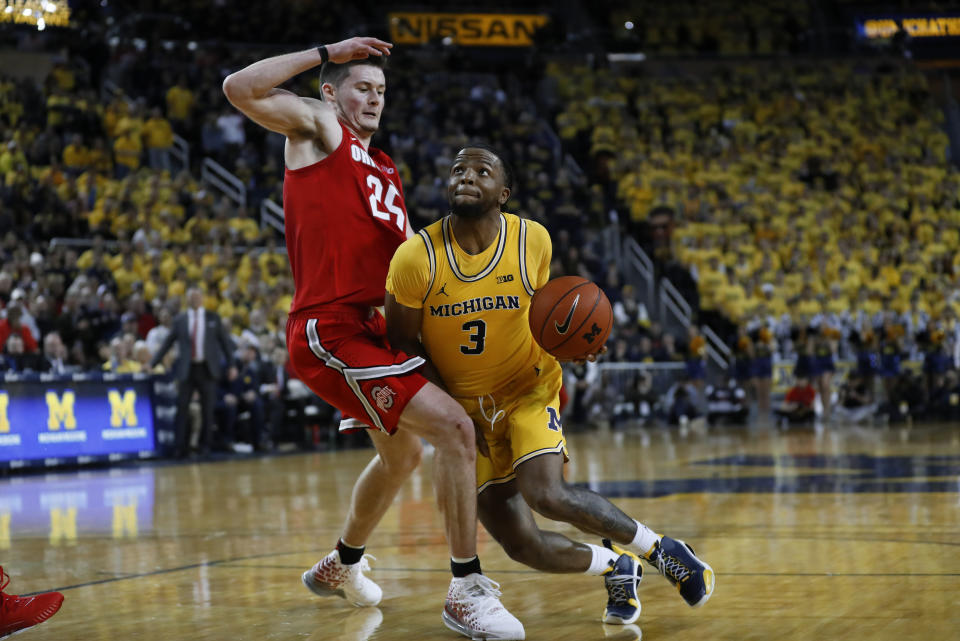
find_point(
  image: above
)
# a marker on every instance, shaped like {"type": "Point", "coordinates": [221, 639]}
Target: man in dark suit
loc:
{"type": "Point", "coordinates": [203, 350]}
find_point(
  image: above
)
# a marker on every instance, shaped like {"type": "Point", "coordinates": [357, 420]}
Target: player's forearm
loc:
{"type": "Point", "coordinates": [427, 370]}
{"type": "Point", "coordinates": [256, 80]}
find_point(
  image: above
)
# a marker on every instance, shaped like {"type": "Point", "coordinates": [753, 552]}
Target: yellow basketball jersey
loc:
{"type": "Point", "coordinates": [475, 307]}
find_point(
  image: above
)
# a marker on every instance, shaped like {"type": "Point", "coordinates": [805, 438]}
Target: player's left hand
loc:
{"type": "Point", "coordinates": [591, 358]}
{"type": "Point", "coordinates": [357, 48]}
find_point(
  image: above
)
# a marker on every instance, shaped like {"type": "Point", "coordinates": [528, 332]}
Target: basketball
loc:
{"type": "Point", "coordinates": [570, 317]}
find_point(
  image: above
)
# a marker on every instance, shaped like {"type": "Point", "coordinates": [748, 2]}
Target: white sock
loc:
{"type": "Point", "coordinates": [602, 558]}
{"type": "Point", "coordinates": [463, 560]}
{"type": "Point", "coordinates": [351, 546]}
{"type": "Point", "coordinates": [644, 540]}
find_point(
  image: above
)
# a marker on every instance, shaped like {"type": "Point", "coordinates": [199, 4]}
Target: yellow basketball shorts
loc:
{"type": "Point", "coordinates": [520, 421]}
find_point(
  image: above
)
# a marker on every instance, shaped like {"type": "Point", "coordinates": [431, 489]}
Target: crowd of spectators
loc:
{"type": "Point", "coordinates": [104, 233]}
{"type": "Point", "coordinates": [717, 27]}
{"type": "Point", "coordinates": [811, 213]}
{"type": "Point", "coordinates": [800, 226]}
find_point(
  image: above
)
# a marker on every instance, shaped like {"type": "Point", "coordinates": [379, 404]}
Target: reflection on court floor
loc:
{"type": "Point", "coordinates": [838, 533]}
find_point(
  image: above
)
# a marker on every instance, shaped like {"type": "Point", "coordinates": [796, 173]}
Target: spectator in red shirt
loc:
{"type": "Point", "coordinates": [797, 406]}
{"type": "Point", "coordinates": [12, 325]}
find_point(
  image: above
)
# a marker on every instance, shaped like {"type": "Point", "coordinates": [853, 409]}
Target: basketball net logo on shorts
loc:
{"type": "Point", "coordinates": [383, 397]}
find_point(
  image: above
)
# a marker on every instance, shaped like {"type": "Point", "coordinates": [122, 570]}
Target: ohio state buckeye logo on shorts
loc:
{"type": "Point", "coordinates": [383, 397]}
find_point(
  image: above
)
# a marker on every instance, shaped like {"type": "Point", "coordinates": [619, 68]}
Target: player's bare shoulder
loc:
{"type": "Point", "coordinates": [312, 144]}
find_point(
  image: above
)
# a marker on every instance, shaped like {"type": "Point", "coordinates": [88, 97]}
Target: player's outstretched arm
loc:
{"type": "Point", "coordinates": [253, 90]}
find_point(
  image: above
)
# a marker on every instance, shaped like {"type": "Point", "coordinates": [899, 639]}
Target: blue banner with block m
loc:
{"type": "Point", "coordinates": [75, 417]}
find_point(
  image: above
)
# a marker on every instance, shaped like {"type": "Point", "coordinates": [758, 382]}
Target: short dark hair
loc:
{"type": "Point", "coordinates": [508, 173]}
{"type": "Point", "coordinates": [336, 72]}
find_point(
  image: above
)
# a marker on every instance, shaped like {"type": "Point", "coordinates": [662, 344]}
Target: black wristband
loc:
{"type": "Point", "coordinates": [324, 56]}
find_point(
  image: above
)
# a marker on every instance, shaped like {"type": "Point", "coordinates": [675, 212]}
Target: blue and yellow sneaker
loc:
{"type": "Point", "coordinates": [621, 581]}
{"type": "Point", "coordinates": [675, 560]}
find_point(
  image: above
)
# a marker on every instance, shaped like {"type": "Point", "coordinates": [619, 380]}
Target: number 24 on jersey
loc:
{"type": "Point", "coordinates": [388, 201]}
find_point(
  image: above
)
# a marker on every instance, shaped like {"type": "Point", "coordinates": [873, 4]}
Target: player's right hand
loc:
{"type": "Point", "coordinates": [357, 48]}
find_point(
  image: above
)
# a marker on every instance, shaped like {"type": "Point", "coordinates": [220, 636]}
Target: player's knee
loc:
{"type": "Point", "coordinates": [546, 501]}
{"type": "Point", "coordinates": [456, 436]}
{"type": "Point", "coordinates": [404, 463]}
{"type": "Point", "coordinates": [466, 436]}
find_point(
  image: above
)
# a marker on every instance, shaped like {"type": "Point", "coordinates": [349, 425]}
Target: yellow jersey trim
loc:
{"type": "Point", "coordinates": [433, 261]}
{"type": "Point", "coordinates": [523, 258]}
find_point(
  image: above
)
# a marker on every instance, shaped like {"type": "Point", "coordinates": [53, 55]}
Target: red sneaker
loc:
{"type": "Point", "coordinates": [17, 613]}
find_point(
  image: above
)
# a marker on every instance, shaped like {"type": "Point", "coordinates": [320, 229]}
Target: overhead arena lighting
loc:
{"type": "Point", "coordinates": [39, 13]}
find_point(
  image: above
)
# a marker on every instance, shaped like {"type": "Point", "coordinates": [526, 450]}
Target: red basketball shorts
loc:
{"type": "Point", "coordinates": [344, 357]}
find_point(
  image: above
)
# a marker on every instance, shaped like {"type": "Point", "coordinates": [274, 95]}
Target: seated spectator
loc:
{"type": "Point", "coordinates": [727, 403]}
{"type": "Point", "coordinates": [906, 398]}
{"type": "Point", "coordinates": [240, 393]}
{"type": "Point", "coordinates": [945, 398]}
{"type": "Point", "coordinates": [280, 400]}
{"type": "Point", "coordinates": [54, 358]}
{"type": "Point", "coordinates": [797, 406]}
{"type": "Point", "coordinates": [120, 357]}
{"type": "Point", "coordinates": [15, 359]}
{"type": "Point", "coordinates": [637, 404]}
{"type": "Point", "coordinates": [142, 355]}
{"type": "Point", "coordinates": [666, 352]}
{"type": "Point", "coordinates": [13, 325]}
{"type": "Point", "coordinates": [856, 400]}
{"type": "Point", "coordinates": [682, 402]}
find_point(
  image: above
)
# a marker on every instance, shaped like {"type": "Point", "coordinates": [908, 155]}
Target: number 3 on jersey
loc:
{"type": "Point", "coordinates": [377, 199]}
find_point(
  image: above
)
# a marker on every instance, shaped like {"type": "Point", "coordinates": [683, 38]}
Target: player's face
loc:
{"type": "Point", "coordinates": [476, 187]}
{"type": "Point", "coordinates": [360, 98]}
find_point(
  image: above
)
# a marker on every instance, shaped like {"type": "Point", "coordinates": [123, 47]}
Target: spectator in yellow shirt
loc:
{"type": "Point", "coordinates": [180, 104]}
{"type": "Point", "coordinates": [99, 158]}
{"type": "Point", "coordinates": [76, 157]}
{"type": "Point", "coordinates": [126, 151]}
{"type": "Point", "coordinates": [158, 139]}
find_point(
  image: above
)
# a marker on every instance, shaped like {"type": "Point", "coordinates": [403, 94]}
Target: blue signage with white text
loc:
{"type": "Point", "coordinates": [74, 418]}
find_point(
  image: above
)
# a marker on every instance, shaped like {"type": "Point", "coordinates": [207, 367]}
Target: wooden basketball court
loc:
{"type": "Point", "coordinates": [843, 533]}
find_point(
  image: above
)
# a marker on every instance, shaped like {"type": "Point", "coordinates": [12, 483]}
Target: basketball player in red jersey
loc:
{"type": "Point", "coordinates": [344, 217]}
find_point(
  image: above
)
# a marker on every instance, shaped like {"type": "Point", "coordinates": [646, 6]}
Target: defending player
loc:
{"type": "Point", "coordinates": [459, 296]}
{"type": "Point", "coordinates": [344, 218]}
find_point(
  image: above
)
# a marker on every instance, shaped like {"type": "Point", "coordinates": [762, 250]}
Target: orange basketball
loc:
{"type": "Point", "coordinates": [570, 317]}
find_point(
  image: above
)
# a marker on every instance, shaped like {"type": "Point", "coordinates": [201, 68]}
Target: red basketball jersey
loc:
{"type": "Point", "coordinates": [344, 217]}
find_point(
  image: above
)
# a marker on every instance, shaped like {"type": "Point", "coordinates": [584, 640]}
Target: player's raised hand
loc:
{"type": "Point", "coordinates": [357, 48]}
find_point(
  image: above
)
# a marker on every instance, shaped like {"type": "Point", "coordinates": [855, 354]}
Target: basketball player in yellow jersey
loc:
{"type": "Point", "coordinates": [458, 294]}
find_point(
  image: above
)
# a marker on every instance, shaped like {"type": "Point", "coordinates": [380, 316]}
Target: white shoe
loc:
{"type": "Point", "coordinates": [474, 610]}
{"type": "Point", "coordinates": [330, 577]}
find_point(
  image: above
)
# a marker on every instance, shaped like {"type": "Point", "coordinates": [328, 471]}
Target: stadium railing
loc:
{"type": "Point", "coordinates": [215, 175]}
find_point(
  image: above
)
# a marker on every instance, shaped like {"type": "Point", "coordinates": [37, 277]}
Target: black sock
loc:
{"type": "Point", "coordinates": [461, 570]}
{"type": "Point", "coordinates": [349, 555]}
